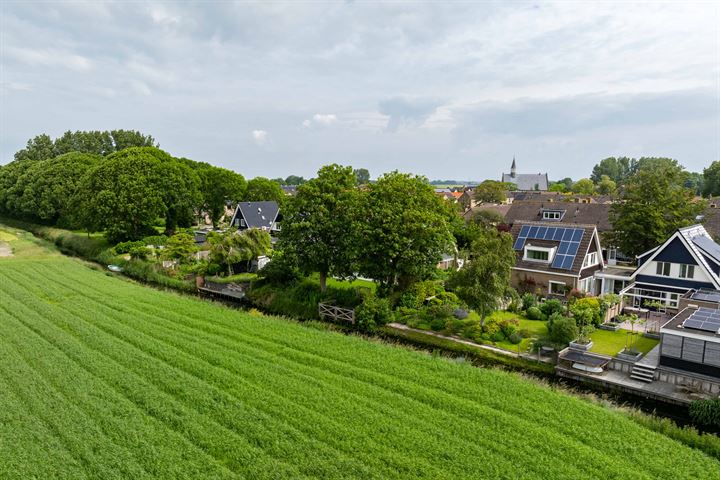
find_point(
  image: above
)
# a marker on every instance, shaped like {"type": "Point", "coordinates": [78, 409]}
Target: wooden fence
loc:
{"type": "Point", "coordinates": [336, 314]}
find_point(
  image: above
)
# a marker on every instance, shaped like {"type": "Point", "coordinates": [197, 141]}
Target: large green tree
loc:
{"type": "Point", "coordinates": [654, 203]}
{"type": "Point", "coordinates": [491, 191]}
{"type": "Point", "coordinates": [218, 188]}
{"type": "Point", "coordinates": [711, 180]}
{"type": "Point", "coordinates": [261, 189]}
{"type": "Point", "coordinates": [618, 169]}
{"type": "Point", "coordinates": [483, 280]}
{"type": "Point", "coordinates": [362, 175]}
{"type": "Point", "coordinates": [403, 230]}
{"type": "Point", "coordinates": [318, 224]}
{"type": "Point", "coordinates": [584, 186]}
{"type": "Point", "coordinates": [606, 186]}
{"type": "Point", "coordinates": [42, 147]}
{"type": "Point", "coordinates": [45, 189]}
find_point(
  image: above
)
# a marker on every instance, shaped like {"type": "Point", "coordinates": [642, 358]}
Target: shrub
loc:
{"type": "Point", "coordinates": [551, 306]}
{"type": "Point", "coordinates": [282, 269]}
{"type": "Point", "coordinates": [562, 330]}
{"type": "Point", "coordinates": [515, 338]}
{"type": "Point", "coordinates": [587, 311]}
{"type": "Point", "coordinates": [528, 300]}
{"type": "Point", "coordinates": [374, 312]}
{"type": "Point", "coordinates": [125, 247]}
{"type": "Point", "coordinates": [706, 412]}
{"type": "Point", "coordinates": [155, 240]}
{"type": "Point", "coordinates": [534, 313]}
{"type": "Point", "coordinates": [497, 336]}
{"type": "Point", "coordinates": [140, 253]}
{"type": "Point", "coordinates": [508, 327]}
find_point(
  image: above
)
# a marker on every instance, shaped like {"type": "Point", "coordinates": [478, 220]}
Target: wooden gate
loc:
{"type": "Point", "coordinates": [336, 314]}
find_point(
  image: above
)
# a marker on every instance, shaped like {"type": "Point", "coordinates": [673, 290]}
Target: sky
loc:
{"type": "Point", "coordinates": [446, 90]}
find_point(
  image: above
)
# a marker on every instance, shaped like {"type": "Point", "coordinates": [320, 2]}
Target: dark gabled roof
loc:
{"type": "Point", "coordinates": [258, 214]}
{"type": "Point", "coordinates": [585, 241]}
{"type": "Point", "coordinates": [527, 181]}
{"type": "Point", "coordinates": [597, 214]}
{"type": "Point", "coordinates": [289, 189]}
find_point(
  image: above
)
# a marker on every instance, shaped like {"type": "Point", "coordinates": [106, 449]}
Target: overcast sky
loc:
{"type": "Point", "coordinates": [444, 90]}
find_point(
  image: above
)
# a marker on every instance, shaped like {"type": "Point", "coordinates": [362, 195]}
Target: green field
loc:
{"type": "Point", "coordinates": [103, 378]}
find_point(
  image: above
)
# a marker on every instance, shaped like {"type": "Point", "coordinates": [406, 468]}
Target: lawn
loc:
{"type": "Point", "coordinates": [345, 285]}
{"type": "Point", "coordinates": [104, 378]}
{"type": "Point", "coordinates": [610, 343]}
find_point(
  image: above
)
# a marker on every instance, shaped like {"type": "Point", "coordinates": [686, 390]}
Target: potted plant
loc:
{"type": "Point", "coordinates": [630, 352]}
{"type": "Point", "coordinates": [583, 342]}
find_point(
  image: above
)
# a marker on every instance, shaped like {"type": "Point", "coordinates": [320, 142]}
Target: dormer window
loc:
{"type": "Point", "coordinates": [552, 214]}
{"type": "Point", "coordinates": [242, 222]}
{"type": "Point", "coordinates": [538, 254]}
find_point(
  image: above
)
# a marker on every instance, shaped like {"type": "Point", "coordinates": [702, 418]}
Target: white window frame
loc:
{"type": "Point", "coordinates": [687, 270]}
{"type": "Point", "coordinates": [660, 269]}
{"type": "Point", "coordinates": [243, 223]}
{"type": "Point", "coordinates": [590, 260]}
{"type": "Point", "coordinates": [549, 251]}
{"type": "Point", "coordinates": [551, 215]}
{"type": "Point", "coordinates": [550, 287]}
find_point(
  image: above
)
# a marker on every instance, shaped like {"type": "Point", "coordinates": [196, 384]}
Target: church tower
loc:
{"type": "Point", "coordinates": [512, 168]}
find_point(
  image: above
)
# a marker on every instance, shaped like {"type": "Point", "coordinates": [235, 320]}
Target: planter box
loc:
{"type": "Point", "coordinates": [581, 346]}
{"type": "Point", "coordinates": [655, 336]}
{"type": "Point", "coordinates": [610, 327]}
{"type": "Point", "coordinates": [633, 357]}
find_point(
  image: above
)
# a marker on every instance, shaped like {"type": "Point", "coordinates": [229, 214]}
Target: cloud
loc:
{"type": "Point", "coordinates": [407, 112]}
{"type": "Point", "coordinates": [260, 137]}
{"type": "Point", "coordinates": [321, 119]}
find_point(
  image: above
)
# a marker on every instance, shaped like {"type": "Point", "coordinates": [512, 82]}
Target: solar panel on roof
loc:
{"type": "Point", "coordinates": [710, 247]}
{"type": "Point", "coordinates": [692, 324]}
{"type": "Point", "coordinates": [577, 235]}
{"type": "Point", "coordinates": [558, 234]}
{"type": "Point", "coordinates": [705, 319]}
{"type": "Point", "coordinates": [569, 239]}
{"type": "Point", "coordinates": [707, 295]}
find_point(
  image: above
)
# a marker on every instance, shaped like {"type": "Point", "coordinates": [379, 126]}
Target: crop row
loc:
{"type": "Point", "coordinates": [129, 382]}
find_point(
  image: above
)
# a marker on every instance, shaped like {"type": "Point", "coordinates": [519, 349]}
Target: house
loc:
{"type": "Point", "coordinates": [262, 215]}
{"type": "Point", "coordinates": [553, 258]}
{"type": "Point", "coordinates": [289, 190]}
{"type": "Point", "coordinates": [526, 181]}
{"type": "Point", "coordinates": [688, 260]}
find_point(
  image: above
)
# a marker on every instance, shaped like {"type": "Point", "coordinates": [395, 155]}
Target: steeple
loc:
{"type": "Point", "coordinates": [512, 168]}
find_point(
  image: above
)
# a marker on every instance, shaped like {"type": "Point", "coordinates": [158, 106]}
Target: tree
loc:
{"type": "Point", "coordinates": [482, 282]}
{"type": "Point", "coordinates": [293, 180]}
{"type": "Point", "coordinates": [654, 204]}
{"type": "Point", "coordinates": [711, 180]}
{"type": "Point", "coordinates": [218, 188]}
{"type": "Point", "coordinates": [606, 186]}
{"type": "Point", "coordinates": [491, 191]}
{"type": "Point", "coordinates": [362, 175]}
{"type": "Point", "coordinates": [233, 247]}
{"type": "Point", "coordinates": [261, 189]}
{"type": "Point", "coordinates": [180, 247]}
{"type": "Point", "coordinates": [403, 230]}
{"type": "Point", "coordinates": [39, 148]}
{"type": "Point", "coordinates": [584, 186]}
{"type": "Point", "coordinates": [557, 187]}
{"type": "Point", "coordinates": [318, 224]}
{"type": "Point", "coordinates": [46, 188]}
{"type": "Point", "coordinates": [9, 176]}
{"type": "Point", "coordinates": [695, 181]}
{"type": "Point", "coordinates": [568, 182]}
{"type": "Point", "coordinates": [617, 169]}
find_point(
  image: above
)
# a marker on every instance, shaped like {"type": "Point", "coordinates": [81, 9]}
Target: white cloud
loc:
{"type": "Point", "coordinates": [321, 119]}
{"type": "Point", "coordinates": [260, 137]}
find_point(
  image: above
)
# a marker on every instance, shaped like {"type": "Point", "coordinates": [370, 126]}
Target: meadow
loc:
{"type": "Point", "coordinates": [104, 378]}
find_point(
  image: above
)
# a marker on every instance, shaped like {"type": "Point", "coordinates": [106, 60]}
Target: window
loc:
{"type": "Point", "coordinates": [242, 222]}
{"type": "Point", "coordinates": [542, 255]}
{"type": "Point", "coordinates": [687, 271]}
{"type": "Point", "coordinates": [590, 259]}
{"type": "Point", "coordinates": [663, 268]}
{"type": "Point", "coordinates": [585, 284]}
{"type": "Point", "coordinates": [612, 252]}
{"type": "Point", "coordinates": [556, 288]}
{"type": "Point", "coordinates": [551, 215]}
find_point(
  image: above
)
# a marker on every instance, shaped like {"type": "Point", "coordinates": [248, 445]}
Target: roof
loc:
{"type": "Point", "coordinates": [597, 214]}
{"type": "Point", "coordinates": [289, 189]}
{"type": "Point", "coordinates": [258, 214]}
{"type": "Point", "coordinates": [527, 181]}
{"type": "Point", "coordinates": [702, 245]}
{"type": "Point", "coordinates": [586, 237]}
{"type": "Point", "coordinates": [677, 324]}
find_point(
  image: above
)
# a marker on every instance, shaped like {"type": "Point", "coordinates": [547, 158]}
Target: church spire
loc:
{"type": "Point", "coordinates": [512, 168]}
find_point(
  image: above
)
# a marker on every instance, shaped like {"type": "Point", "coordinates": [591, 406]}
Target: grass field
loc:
{"type": "Point", "coordinates": [103, 378]}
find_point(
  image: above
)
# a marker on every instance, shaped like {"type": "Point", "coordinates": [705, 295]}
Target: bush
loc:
{"type": "Point", "coordinates": [586, 311]}
{"type": "Point", "coordinates": [140, 253]}
{"type": "Point", "coordinates": [528, 300]}
{"type": "Point", "coordinates": [155, 240]}
{"type": "Point", "coordinates": [515, 338]}
{"type": "Point", "coordinates": [374, 312]}
{"type": "Point", "coordinates": [706, 412]}
{"type": "Point", "coordinates": [125, 247]}
{"type": "Point", "coordinates": [508, 327]}
{"type": "Point", "coordinates": [280, 270]}
{"type": "Point", "coordinates": [551, 306]}
{"type": "Point", "coordinates": [497, 336]}
{"type": "Point", "coordinates": [562, 330]}
{"type": "Point", "coordinates": [534, 313]}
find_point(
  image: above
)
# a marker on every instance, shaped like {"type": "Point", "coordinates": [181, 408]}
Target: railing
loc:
{"type": "Point", "coordinates": [336, 314]}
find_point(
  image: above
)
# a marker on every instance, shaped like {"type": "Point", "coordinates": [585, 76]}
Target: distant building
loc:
{"type": "Point", "coordinates": [262, 215]}
{"type": "Point", "coordinates": [526, 181]}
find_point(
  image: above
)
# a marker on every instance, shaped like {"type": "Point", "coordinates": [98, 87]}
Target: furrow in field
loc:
{"type": "Point", "coordinates": [25, 438]}
{"type": "Point", "coordinates": [568, 452]}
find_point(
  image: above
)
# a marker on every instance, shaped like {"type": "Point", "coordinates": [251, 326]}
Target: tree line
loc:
{"type": "Point", "coordinates": [121, 183]}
